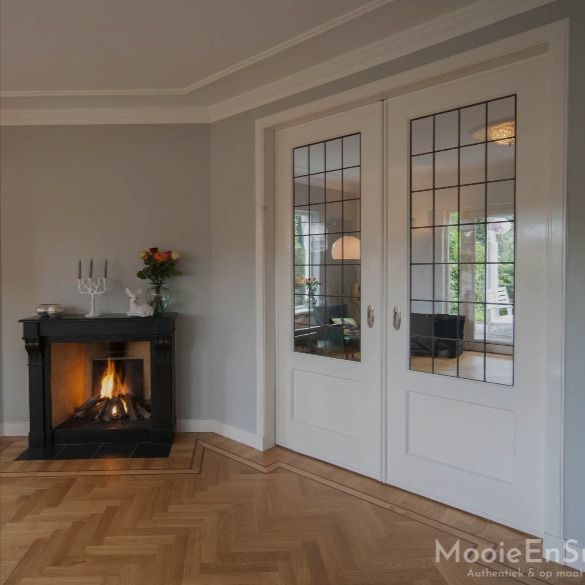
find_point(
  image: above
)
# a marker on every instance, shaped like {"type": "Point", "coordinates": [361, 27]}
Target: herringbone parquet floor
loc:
{"type": "Point", "coordinates": [219, 513]}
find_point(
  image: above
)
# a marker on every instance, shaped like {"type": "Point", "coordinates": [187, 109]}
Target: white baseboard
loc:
{"type": "Point", "coordinates": [580, 563]}
{"type": "Point", "coordinates": [14, 429]}
{"type": "Point", "coordinates": [214, 426]}
{"type": "Point", "coordinates": [20, 429]}
{"type": "Point", "coordinates": [552, 542]}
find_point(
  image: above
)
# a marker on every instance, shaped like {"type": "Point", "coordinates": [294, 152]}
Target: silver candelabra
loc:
{"type": "Point", "coordinates": [92, 286]}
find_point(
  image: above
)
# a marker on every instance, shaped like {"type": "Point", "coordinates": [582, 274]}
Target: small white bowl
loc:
{"type": "Point", "coordinates": [49, 309]}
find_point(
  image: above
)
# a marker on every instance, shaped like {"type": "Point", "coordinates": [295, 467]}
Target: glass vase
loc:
{"type": "Point", "coordinates": [158, 296]}
{"type": "Point", "coordinates": [312, 299]}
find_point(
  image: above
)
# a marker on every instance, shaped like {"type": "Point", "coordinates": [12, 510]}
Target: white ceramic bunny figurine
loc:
{"type": "Point", "coordinates": [135, 309]}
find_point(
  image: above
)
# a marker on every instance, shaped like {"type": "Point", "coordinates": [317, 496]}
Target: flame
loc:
{"type": "Point", "coordinates": [111, 383]}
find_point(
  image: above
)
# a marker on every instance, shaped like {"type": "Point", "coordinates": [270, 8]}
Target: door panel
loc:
{"type": "Point", "coordinates": [329, 249]}
{"type": "Point", "coordinates": [466, 254]}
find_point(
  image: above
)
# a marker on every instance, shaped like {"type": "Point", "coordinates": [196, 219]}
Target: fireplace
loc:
{"type": "Point", "coordinates": [108, 379]}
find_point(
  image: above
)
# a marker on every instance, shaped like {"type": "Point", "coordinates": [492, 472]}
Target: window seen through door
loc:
{"type": "Point", "coordinates": [462, 210]}
{"type": "Point", "coordinates": [327, 248]}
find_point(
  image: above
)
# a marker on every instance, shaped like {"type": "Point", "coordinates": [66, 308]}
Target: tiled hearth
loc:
{"type": "Point", "coordinates": [96, 451]}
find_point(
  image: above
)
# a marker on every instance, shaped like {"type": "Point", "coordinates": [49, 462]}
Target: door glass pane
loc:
{"type": "Point", "coordinates": [422, 135]}
{"type": "Point", "coordinates": [446, 210]}
{"type": "Point", "coordinates": [462, 242]}
{"type": "Point", "coordinates": [422, 209]}
{"type": "Point", "coordinates": [301, 191]}
{"type": "Point", "coordinates": [446, 130]}
{"type": "Point", "coordinates": [327, 248]}
{"type": "Point", "coordinates": [421, 248]}
{"type": "Point", "coordinates": [421, 170]}
{"type": "Point", "coordinates": [333, 155]}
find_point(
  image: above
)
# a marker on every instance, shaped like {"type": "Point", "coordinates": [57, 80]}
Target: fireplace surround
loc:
{"type": "Point", "coordinates": [108, 379]}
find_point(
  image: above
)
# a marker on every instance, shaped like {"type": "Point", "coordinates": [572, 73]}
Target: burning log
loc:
{"type": "Point", "coordinates": [106, 416]}
{"type": "Point", "coordinates": [118, 410]}
{"type": "Point", "coordinates": [120, 407]}
{"type": "Point", "coordinates": [128, 401]}
{"type": "Point", "coordinates": [92, 412]}
{"type": "Point", "coordinates": [114, 410]}
{"type": "Point", "coordinates": [142, 411]}
{"type": "Point", "coordinates": [83, 410]}
{"type": "Point", "coordinates": [102, 409]}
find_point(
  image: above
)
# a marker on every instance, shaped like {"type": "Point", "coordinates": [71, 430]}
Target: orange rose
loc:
{"type": "Point", "coordinates": [160, 257]}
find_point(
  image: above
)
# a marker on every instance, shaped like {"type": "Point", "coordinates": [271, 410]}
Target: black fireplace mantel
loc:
{"type": "Point", "coordinates": [40, 332]}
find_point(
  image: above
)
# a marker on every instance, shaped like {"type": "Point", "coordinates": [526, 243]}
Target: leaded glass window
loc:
{"type": "Point", "coordinates": [462, 241]}
{"type": "Point", "coordinates": [327, 248]}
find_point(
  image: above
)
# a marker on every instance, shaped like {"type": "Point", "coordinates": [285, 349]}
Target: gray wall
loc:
{"type": "Point", "coordinates": [233, 338]}
{"type": "Point", "coordinates": [97, 191]}
{"type": "Point", "coordinates": [232, 180]}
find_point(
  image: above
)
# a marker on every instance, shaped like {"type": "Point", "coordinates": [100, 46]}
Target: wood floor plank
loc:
{"type": "Point", "coordinates": [220, 513]}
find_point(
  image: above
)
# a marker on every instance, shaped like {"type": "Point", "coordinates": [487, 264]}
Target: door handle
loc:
{"type": "Point", "coordinates": [371, 316]}
{"type": "Point", "coordinates": [396, 318]}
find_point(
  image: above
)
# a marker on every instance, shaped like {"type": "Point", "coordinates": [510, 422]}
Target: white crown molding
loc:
{"type": "Point", "coordinates": [61, 93]}
{"type": "Point", "coordinates": [94, 116]}
{"type": "Point", "coordinates": [472, 17]}
{"type": "Point", "coordinates": [453, 24]}
{"type": "Point", "coordinates": [270, 52]}
{"type": "Point", "coordinates": [310, 34]}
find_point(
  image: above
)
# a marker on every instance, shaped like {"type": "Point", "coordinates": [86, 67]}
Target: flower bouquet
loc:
{"type": "Point", "coordinates": [159, 266]}
{"type": "Point", "coordinates": [312, 285]}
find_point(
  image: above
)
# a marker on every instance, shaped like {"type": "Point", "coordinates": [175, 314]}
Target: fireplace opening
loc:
{"type": "Point", "coordinates": [118, 392]}
{"type": "Point", "coordinates": [100, 385]}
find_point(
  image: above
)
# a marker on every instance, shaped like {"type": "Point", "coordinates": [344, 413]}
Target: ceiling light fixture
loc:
{"type": "Point", "coordinates": [500, 133]}
{"type": "Point", "coordinates": [346, 248]}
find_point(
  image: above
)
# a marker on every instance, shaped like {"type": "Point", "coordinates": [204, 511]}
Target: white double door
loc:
{"type": "Point", "coordinates": [411, 258]}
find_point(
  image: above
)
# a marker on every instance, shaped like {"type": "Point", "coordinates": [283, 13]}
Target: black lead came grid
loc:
{"type": "Point", "coordinates": [462, 241]}
{"type": "Point", "coordinates": [326, 247]}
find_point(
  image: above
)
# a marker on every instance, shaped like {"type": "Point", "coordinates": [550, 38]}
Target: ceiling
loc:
{"type": "Point", "coordinates": [137, 45]}
{"type": "Point", "coordinates": [184, 53]}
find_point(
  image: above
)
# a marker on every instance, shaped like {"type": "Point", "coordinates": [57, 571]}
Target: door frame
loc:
{"type": "Point", "coordinates": [552, 40]}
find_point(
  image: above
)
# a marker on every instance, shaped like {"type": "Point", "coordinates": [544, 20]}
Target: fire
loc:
{"type": "Point", "coordinates": [113, 399]}
{"type": "Point", "coordinates": [111, 383]}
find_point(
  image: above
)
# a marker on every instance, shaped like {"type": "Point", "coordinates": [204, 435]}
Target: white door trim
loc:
{"type": "Point", "coordinates": [551, 39]}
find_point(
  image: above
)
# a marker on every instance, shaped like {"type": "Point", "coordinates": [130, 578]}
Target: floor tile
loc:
{"type": "Point", "coordinates": [115, 450]}
{"type": "Point", "coordinates": [40, 454]}
{"type": "Point", "coordinates": [77, 452]}
{"type": "Point", "coordinates": [151, 450]}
